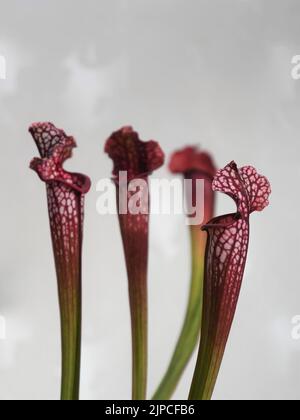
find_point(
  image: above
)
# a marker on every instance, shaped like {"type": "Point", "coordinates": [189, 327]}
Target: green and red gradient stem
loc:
{"type": "Point", "coordinates": [194, 165]}
{"type": "Point", "coordinates": [65, 195]}
{"type": "Point", "coordinates": [226, 254]}
{"type": "Point", "coordinates": [138, 160]}
{"type": "Point", "coordinates": [136, 255]}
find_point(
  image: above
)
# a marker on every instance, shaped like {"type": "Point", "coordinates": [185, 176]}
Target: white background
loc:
{"type": "Point", "coordinates": [212, 72]}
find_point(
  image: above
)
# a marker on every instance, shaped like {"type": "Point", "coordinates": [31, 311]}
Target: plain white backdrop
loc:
{"type": "Point", "coordinates": [211, 72]}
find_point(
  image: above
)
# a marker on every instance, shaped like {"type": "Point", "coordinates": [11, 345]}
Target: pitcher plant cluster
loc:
{"type": "Point", "coordinates": [219, 247]}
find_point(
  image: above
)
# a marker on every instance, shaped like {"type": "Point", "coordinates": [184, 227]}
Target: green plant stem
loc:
{"type": "Point", "coordinates": [70, 304]}
{"type": "Point", "coordinates": [204, 378]}
{"type": "Point", "coordinates": [139, 325]}
{"type": "Point", "coordinates": [190, 332]}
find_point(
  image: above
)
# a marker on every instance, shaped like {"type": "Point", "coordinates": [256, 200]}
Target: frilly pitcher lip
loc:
{"type": "Point", "coordinates": [192, 159]}
{"type": "Point", "coordinates": [128, 153]}
{"type": "Point", "coordinates": [55, 147]}
{"type": "Point", "coordinates": [47, 136]}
